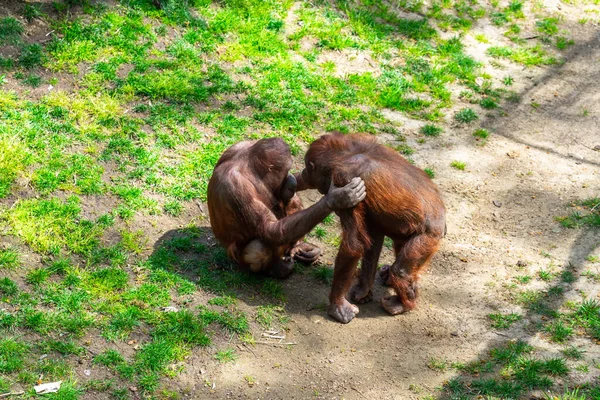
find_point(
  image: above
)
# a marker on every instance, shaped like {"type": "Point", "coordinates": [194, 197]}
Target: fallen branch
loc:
{"type": "Point", "coordinates": [3, 395]}
{"type": "Point", "coordinates": [272, 336]}
{"type": "Point", "coordinates": [359, 392]}
{"type": "Point", "coordinates": [278, 344]}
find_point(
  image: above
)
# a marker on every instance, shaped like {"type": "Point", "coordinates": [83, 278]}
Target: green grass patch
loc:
{"type": "Point", "coordinates": [528, 56]}
{"type": "Point", "coordinates": [9, 258]}
{"type": "Point", "coordinates": [323, 273]}
{"type": "Point", "coordinates": [49, 226]}
{"type": "Point", "coordinates": [459, 165]}
{"type": "Point", "coordinates": [466, 116]}
{"type": "Point", "coordinates": [12, 355]}
{"type": "Point", "coordinates": [431, 130]}
{"type": "Point", "coordinates": [503, 321]}
{"type": "Point", "coordinates": [233, 322]}
{"type": "Point", "coordinates": [14, 158]}
{"type": "Point", "coordinates": [226, 356]}
{"type": "Point", "coordinates": [587, 214]}
{"type": "Point", "coordinates": [511, 371]}
{"type": "Point", "coordinates": [268, 316]}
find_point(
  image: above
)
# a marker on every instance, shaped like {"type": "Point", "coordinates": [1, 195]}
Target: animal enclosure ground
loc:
{"type": "Point", "coordinates": [112, 115]}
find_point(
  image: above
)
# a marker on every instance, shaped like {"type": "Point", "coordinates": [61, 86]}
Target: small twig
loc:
{"type": "Point", "coordinates": [531, 37]}
{"type": "Point", "coordinates": [358, 391]}
{"type": "Point", "coordinates": [502, 334]}
{"type": "Point", "coordinates": [249, 348]}
{"type": "Point", "coordinates": [593, 208]}
{"type": "Point", "coordinates": [278, 344]}
{"type": "Point", "coordinates": [272, 336]}
{"type": "Point", "coordinates": [3, 395]}
{"type": "Point", "coordinates": [48, 34]}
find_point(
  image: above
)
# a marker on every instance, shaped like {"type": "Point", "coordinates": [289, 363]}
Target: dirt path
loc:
{"type": "Point", "coordinates": [538, 159]}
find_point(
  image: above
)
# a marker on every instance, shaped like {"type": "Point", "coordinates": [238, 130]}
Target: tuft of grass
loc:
{"type": "Point", "coordinates": [8, 287]}
{"type": "Point", "coordinates": [481, 134]}
{"type": "Point", "coordinates": [323, 273]}
{"type": "Point", "coordinates": [32, 56]}
{"type": "Point", "coordinates": [466, 115]}
{"type": "Point", "coordinates": [563, 42]}
{"type": "Point", "coordinates": [587, 214]}
{"type": "Point", "coordinates": [51, 225]}
{"type": "Point", "coordinates": [9, 258]}
{"type": "Point", "coordinates": [226, 355]}
{"type": "Point", "coordinates": [431, 130]}
{"type": "Point", "coordinates": [10, 30]}
{"type": "Point", "coordinates": [523, 279]}
{"type": "Point", "coordinates": [548, 26]}
{"type": "Point", "coordinates": [528, 56]}
{"type": "Point", "coordinates": [12, 355]}
{"type": "Point", "coordinates": [488, 103]}
{"type": "Point", "coordinates": [223, 301]}
{"type": "Point", "coordinates": [519, 373]}
{"type": "Point", "coordinates": [438, 364]}
{"type": "Point", "coordinates": [404, 149]}
{"type": "Point", "coordinates": [558, 331]}
{"type": "Point", "coordinates": [173, 207]}
{"type": "Point", "coordinates": [430, 172]}
{"type": "Point", "coordinates": [503, 321]}
{"type": "Point", "coordinates": [319, 232]}
{"type": "Point", "coordinates": [14, 158]}
{"type": "Point", "coordinates": [459, 165]}
{"type": "Point", "coordinates": [31, 12]}
{"type": "Point", "coordinates": [266, 316]}
{"type": "Point", "coordinates": [545, 275]}
{"type": "Point", "coordinates": [234, 322]}
{"type": "Point", "coordinates": [568, 276]}
{"type": "Point", "coordinates": [573, 353]}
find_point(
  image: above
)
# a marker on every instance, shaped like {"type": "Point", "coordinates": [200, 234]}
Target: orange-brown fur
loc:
{"type": "Point", "coordinates": [402, 203]}
{"type": "Point", "coordinates": [254, 212]}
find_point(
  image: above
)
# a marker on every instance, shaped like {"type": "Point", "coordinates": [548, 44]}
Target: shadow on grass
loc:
{"type": "Point", "coordinates": [193, 254]}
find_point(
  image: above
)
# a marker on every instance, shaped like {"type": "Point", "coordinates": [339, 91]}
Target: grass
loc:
{"type": "Point", "coordinates": [481, 134]}
{"type": "Point", "coordinates": [12, 355]}
{"type": "Point", "coordinates": [511, 371]}
{"type": "Point", "coordinates": [528, 56]}
{"type": "Point", "coordinates": [49, 226]}
{"type": "Point", "coordinates": [323, 273]}
{"type": "Point", "coordinates": [587, 213]}
{"type": "Point", "coordinates": [10, 30]}
{"type": "Point", "coordinates": [226, 356]}
{"type": "Point", "coordinates": [466, 115]}
{"type": "Point", "coordinates": [271, 316]}
{"type": "Point", "coordinates": [431, 130]}
{"type": "Point", "coordinates": [459, 165]}
{"type": "Point", "coordinates": [573, 353]}
{"type": "Point", "coordinates": [9, 259]}
{"type": "Point", "coordinates": [502, 321]}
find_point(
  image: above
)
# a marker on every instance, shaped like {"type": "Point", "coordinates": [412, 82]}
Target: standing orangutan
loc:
{"type": "Point", "coordinates": [255, 212]}
{"type": "Point", "coordinates": [402, 203]}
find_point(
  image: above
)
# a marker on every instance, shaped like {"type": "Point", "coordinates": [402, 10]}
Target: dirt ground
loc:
{"type": "Point", "coordinates": [500, 211]}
